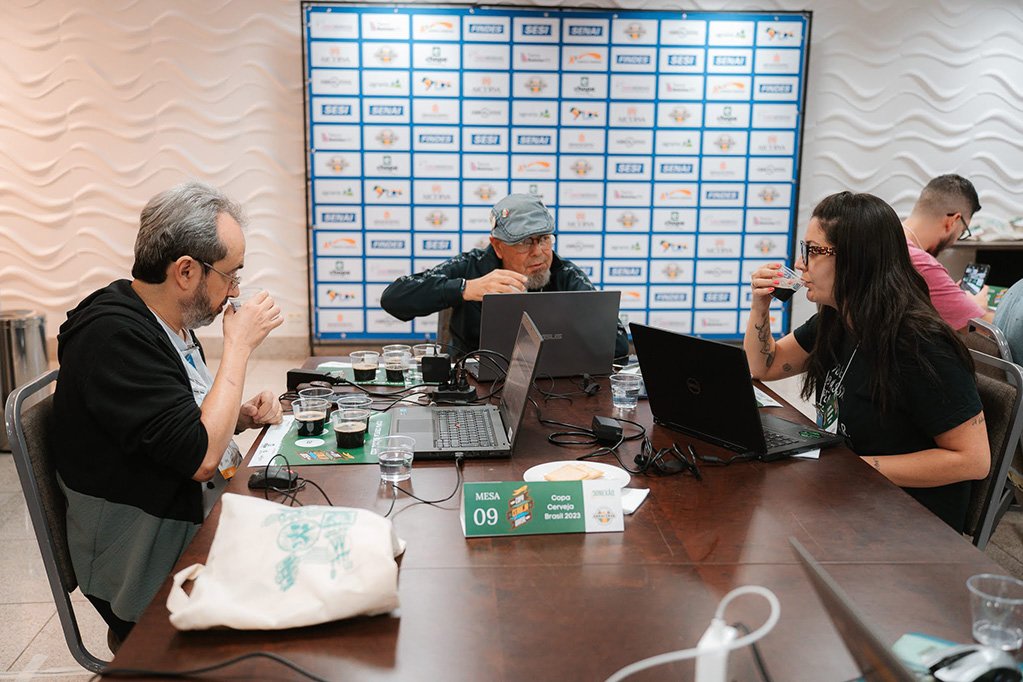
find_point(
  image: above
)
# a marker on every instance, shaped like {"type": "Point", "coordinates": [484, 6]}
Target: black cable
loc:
{"type": "Point", "coordinates": [314, 484]}
{"type": "Point", "coordinates": [459, 461]}
{"type": "Point", "coordinates": [394, 498]}
{"type": "Point", "coordinates": [756, 653]}
{"type": "Point", "coordinates": [192, 672]}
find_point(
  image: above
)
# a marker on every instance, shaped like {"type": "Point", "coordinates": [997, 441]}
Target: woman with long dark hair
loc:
{"type": "Point", "coordinates": [883, 368]}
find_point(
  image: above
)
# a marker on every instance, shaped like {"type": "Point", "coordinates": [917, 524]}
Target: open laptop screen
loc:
{"type": "Point", "coordinates": [521, 370]}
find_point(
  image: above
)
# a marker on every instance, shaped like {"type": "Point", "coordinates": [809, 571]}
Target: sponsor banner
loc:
{"type": "Point", "coordinates": [343, 137]}
{"type": "Point", "coordinates": [634, 59]}
{"type": "Point", "coordinates": [335, 109]}
{"type": "Point", "coordinates": [381, 322]}
{"type": "Point", "coordinates": [475, 240]}
{"type": "Point", "coordinates": [778, 143]}
{"type": "Point", "coordinates": [584, 58]}
{"type": "Point", "coordinates": [674, 220]}
{"type": "Point", "coordinates": [634, 86]}
{"type": "Point", "coordinates": [386, 191]}
{"type": "Point", "coordinates": [717, 271]}
{"type": "Point", "coordinates": [386, 138]}
{"type": "Point", "coordinates": [334, 82]}
{"type": "Point", "coordinates": [779, 33]}
{"type": "Point", "coordinates": [388, 244]}
{"type": "Point", "coordinates": [426, 325]}
{"type": "Point", "coordinates": [536, 85]}
{"type": "Point", "coordinates": [766, 246]}
{"type": "Point", "coordinates": [593, 31]}
{"type": "Point", "coordinates": [535, 29]}
{"type": "Point", "coordinates": [713, 323]}
{"type": "Point", "coordinates": [434, 84]}
{"type": "Point", "coordinates": [675, 168]}
{"type": "Point", "coordinates": [387, 164]}
{"type": "Point", "coordinates": [716, 115]}
{"type": "Point", "coordinates": [437, 244]}
{"type": "Point", "coordinates": [547, 192]}
{"type": "Point", "coordinates": [330, 243]}
{"type": "Point", "coordinates": [672, 87]}
{"type": "Point", "coordinates": [534, 140]}
{"type": "Point", "coordinates": [590, 268]}
{"type": "Point", "coordinates": [677, 142]}
{"type": "Point", "coordinates": [751, 266]}
{"type": "Point", "coordinates": [630, 141]}
{"type": "Point", "coordinates": [633, 298]}
{"type": "Point", "coordinates": [679, 115]}
{"type": "Point", "coordinates": [671, 297]}
{"type": "Point", "coordinates": [435, 191]}
{"type": "Point", "coordinates": [333, 25]}
{"type": "Point", "coordinates": [675, 321]}
{"type": "Point", "coordinates": [486, 29]}
{"type": "Point", "coordinates": [673, 246]}
{"type": "Point", "coordinates": [436, 56]}
{"type": "Point", "coordinates": [385, 83]}
{"type": "Point", "coordinates": [486, 56]}
{"type": "Point", "coordinates": [626, 246]}
{"type": "Point", "coordinates": [720, 195]}
{"type": "Point", "coordinates": [637, 316]}
{"type": "Point", "coordinates": [780, 88]}
{"type": "Point", "coordinates": [625, 272]}
{"type": "Point", "coordinates": [776, 169]}
{"type": "Point", "coordinates": [628, 194]}
{"type": "Point", "coordinates": [435, 111]}
{"type": "Point", "coordinates": [388, 218]}
{"type": "Point", "coordinates": [627, 220]}
{"type": "Point", "coordinates": [535, 57]}
{"type": "Point", "coordinates": [580, 193]}
{"type": "Point", "coordinates": [711, 296]}
{"type": "Point", "coordinates": [338, 269]}
{"type": "Point", "coordinates": [385, 26]}
{"type": "Point", "coordinates": [580, 220]}
{"type": "Point", "coordinates": [334, 55]}
{"type": "Point", "coordinates": [339, 322]}
{"type": "Point", "coordinates": [484, 139]}
{"type": "Point", "coordinates": [339, 296]}
{"type": "Point", "coordinates": [728, 87]}
{"type": "Point", "coordinates": [731, 142]}
{"type": "Point", "coordinates": [482, 166]}
{"type": "Point", "coordinates": [673, 271]}
{"type": "Point", "coordinates": [778, 61]}
{"type": "Point", "coordinates": [582, 141]}
{"type": "Point", "coordinates": [720, 220]}
{"type": "Point", "coordinates": [337, 192]}
{"type": "Point", "coordinates": [534, 113]}
{"type": "Point", "coordinates": [730, 33]}
{"type": "Point", "coordinates": [729, 61]}
{"type": "Point", "coordinates": [337, 164]}
{"type": "Point", "coordinates": [723, 168]}
{"type": "Point", "coordinates": [435, 218]}
{"type": "Point", "coordinates": [487, 112]}
{"type": "Point", "coordinates": [386, 56]}
{"type": "Point", "coordinates": [719, 246]}
{"type": "Point", "coordinates": [681, 60]}
{"type": "Point", "coordinates": [574, 246]}
{"type": "Point", "coordinates": [767, 220]}
{"type": "Point", "coordinates": [775, 195]}
{"type": "Point", "coordinates": [374, 292]}
{"type": "Point", "coordinates": [585, 85]}
{"type": "Point", "coordinates": [379, 110]}
{"type": "Point", "coordinates": [685, 32]}
{"type": "Point", "coordinates": [628, 167]}
{"type": "Point", "coordinates": [676, 194]}
{"type": "Point", "coordinates": [436, 27]}
{"type": "Point", "coordinates": [338, 217]}
{"type": "Point", "coordinates": [476, 219]}
{"type": "Point", "coordinates": [582, 113]}
{"type": "Point", "coordinates": [775, 115]}
{"type": "Point", "coordinates": [387, 269]}
{"type": "Point", "coordinates": [486, 192]}
{"type": "Point", "coordinates": [581, 167]}
{"type": "Point", "coordinates": [631, 114]}
{"type": "Point", "coordinates": [775, 316]}
{"type": "Point", "coordinates": [634, 31]}
{"type": "Point", "coordinates": [524, 167]}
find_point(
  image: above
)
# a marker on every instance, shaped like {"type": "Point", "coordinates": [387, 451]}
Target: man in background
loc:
{"type": "Point", "coordinates": [145, 443]}
{"type": "Point", "coordinates": [940, 217]}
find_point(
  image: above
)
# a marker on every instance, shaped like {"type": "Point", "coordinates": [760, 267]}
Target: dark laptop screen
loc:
{"type": "Point", "coordinates": [521, 370]}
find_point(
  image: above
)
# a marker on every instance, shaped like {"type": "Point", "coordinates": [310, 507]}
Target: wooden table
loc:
{"type": "Point", "coordinates": [579, 607]}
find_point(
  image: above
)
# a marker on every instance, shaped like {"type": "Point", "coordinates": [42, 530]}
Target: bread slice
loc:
{"type": "Point", "coordinates": [573, 472]}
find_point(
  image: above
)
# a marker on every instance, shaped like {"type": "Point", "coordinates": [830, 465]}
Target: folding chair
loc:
{"type": "Point", "coordinates": [989, 339]}
{"type": "Point", "coordinates": [30, 427]}
{"type": "Point", "coordinates": [1003, 414]}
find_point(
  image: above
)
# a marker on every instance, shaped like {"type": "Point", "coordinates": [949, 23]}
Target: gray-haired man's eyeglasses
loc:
{"type": "Point", "coordinates": [235, 280]}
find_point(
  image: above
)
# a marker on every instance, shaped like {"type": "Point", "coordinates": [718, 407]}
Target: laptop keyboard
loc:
{"type": "Point", "coordinates": [777, 440]}
{"type": "Point", "coordinates": [463, 429]}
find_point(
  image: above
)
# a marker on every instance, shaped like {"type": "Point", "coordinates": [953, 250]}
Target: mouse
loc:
{"type": "Point", "coordinates": [974, 663]}
{"type": "Point", "coordinates": [278, 477]}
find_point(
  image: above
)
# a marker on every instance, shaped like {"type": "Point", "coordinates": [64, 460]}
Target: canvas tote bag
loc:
{"type": "Point", "coordinates": [272, 566]}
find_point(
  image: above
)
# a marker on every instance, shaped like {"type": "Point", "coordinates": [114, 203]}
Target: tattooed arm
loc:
{"type": "Point", "coordinates": [769, 359]}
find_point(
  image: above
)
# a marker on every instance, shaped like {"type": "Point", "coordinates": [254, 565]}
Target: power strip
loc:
{"type": "Point", "coordinates": [712, 666]}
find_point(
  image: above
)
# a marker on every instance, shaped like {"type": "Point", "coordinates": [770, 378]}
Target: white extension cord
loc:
{"type": "Point", "coordinates": [719, 639]}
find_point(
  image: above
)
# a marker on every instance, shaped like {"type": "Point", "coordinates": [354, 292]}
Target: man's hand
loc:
{"type": "Point", "coordinates": [250, 324]}
{"type": "Point", "coordinates": [981, 297]}
{"type": "Point", "coordinates": [496, 282]}
{"type": "Point", "coordinates": [258, 411]}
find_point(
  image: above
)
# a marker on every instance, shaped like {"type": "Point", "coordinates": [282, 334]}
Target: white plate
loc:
{"type": "Point", "coordinates": [613, 474]}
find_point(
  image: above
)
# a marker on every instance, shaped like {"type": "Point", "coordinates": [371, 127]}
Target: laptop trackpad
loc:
{"type": "Point", "coordinates": [409, 426]}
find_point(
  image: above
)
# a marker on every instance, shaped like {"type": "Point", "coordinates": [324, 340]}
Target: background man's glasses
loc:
{"type": "Point", "coordinates": [806, 248]}
{"type": "Point", "coordinates": [235, 280]}
{"type": "Point", "coordinates": [543, 242]}
{"type": "Point", "coordinates": [965, 234]}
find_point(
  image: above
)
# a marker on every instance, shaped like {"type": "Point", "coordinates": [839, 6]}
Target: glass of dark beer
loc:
{"type": "Point", "coordinates": [350, 427]}
{"type": "Point", "coordinates": [311, 414]}
{"type": "Point", "coordinates": [789, 282]}
{"type": "Point", "coordinates": [364, 365]}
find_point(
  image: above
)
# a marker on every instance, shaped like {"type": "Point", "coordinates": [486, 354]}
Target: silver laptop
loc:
{"type": "Point", "coordinates": [579, 330]}
{"type": "Point", "coordinates": [476, 431]}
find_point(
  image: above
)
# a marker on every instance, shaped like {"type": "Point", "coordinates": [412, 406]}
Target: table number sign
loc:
{"type": "Point", "coordinates": [537, 508]}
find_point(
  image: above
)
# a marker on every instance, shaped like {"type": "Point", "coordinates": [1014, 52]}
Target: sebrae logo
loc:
{"type": "Point", "coordinates": [431, 85]}
{"type": "Point", "coordinates": [384, 192]}
{"type": "Point", "coordinates": [578, 114]}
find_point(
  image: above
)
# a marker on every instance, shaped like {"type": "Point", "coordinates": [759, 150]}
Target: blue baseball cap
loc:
{"type": "Point", "coordinates": [518, 217]}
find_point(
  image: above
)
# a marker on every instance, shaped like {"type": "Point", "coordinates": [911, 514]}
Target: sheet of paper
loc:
{"type": "Point", "coordinates": [812, 454]}
{"type": "Point", "coordinates": [632, 498]}
{"type": "Point", "coordinates": [764, 400]}
{"type": "Point", "coordinates": [271, 442]}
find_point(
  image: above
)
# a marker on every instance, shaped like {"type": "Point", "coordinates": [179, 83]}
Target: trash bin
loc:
{"type": "Point", "coordinates": [22, 354]}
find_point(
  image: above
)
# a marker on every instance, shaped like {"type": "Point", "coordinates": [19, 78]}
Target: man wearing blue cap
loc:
{"type": "Point", "coordinates": [520, 258]}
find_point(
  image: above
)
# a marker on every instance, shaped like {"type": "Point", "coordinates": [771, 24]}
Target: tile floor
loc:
{"type": "Point", "coordinates": [32, 645]}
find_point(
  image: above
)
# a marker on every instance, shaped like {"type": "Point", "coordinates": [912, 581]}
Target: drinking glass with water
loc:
{"type": "Point", "coordinates": [395, 456]}
{"type": "Point", "coordinates": [625, 390]}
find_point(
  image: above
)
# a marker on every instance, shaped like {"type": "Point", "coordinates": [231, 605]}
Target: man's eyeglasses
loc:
{"type": "Point", "coordinates": [806, 248]}
{"type": "Point", "coordinates": [543, 242]}
{"type": "Point", "coordinates": [235, 280]}
{"type": "Point", "coordinates": [965, 234]}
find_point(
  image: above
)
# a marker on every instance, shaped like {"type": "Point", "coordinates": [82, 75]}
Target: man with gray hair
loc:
{"type": "Point", "coordinates": [940, 217]}
{"type": "Point", "coordinates": [520, 258]}
{"type": "Point", "coordinates": [145, 443]}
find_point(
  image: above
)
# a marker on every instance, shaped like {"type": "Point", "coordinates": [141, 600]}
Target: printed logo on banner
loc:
{"type": "Point", "coordinates": [582, 167]}
{"type": "Point", "coordinates": [680, 322]}
{"type": "Point", "coordinates": [584, 113]}
{"type": "Point", "coordinates": [775, 88]}
{"type": "Point", "coordinates": [338, 243]}
{"type": "Point", "coordinates": [385, 26]}
{"type": "Point", "coordinates": [676, 168]}
{"type": "Point", "coordinates": [333, 26]}
{"type": "Point", "coordinates": [434, 84]}
{"type": "Point", "coordinates": [772, 143]}
{"type": "Point", "coordinates": [435, 111]}
{"type": "Point", "coordinates": [730, 33]}
{"type": "Point", "coordinates": [334, 55]}
{"type": "Point", "coordinates": [433, 245]}
{"type": "Point", "coordinates": [671, 297]}
{"type": "Point", "coordinates": [484, 166]}
{"type": "Point", "coordinates": [775, 115]}
{"type": "Point", "coordinates": [720, 220]}
{"type": "Point", "coordinates": [387, 269]}
{"type": "Point", "coordinates": [634, 31]}
{"type": "Point", "coordinates": [547, 192]}
{"type": "Point", "coordinates": [486, 192]}
{"type": "Point", "coordinates": [585, 31]}
{"type": "Point", "coordinates": [674, 220]}
{"type": "Point", "coordinates": [590, 268]}
{"type": "Point", "coordinates": [675, 194]}
{"type": "Point", "coordinates": [387, 191]}
{"type": "Point", "coordinates": [679, 115]}
{"type": "Point", "coordinates": [626, 141]}
{"type": "Point", "coordinates": [376, 110]}
{"type": "Point", "coordinates": [392, 164]}
{"type": "Point", "coordinates": [633, 298]}
{"type": "Point", "coordinates": [717, 297]}
{"type": "Point", "coordinates": [540, 167]}
{"type": "Point", "coordinates": [374, 292]}
{"type": "Point", "coordinates": [631, 114]}
{"type": "Point", "coordinates": [717, 271]}
{"type": "Point", "coordinates": [385, 83]}
{"type": "Point", "coordinates": [436, 56]}
{"type": "Point", "coordinates": [779, 33]}
{"type": "Point", "coordinates": [485, 139]}
{"type": "Point", "coordinates": [436, 218]}
{"type": "Point", "coordinates": [728, 87]}
{"type": "Point", "coordinates": [685, 32]}
{"type": "Point", "coordinates": [535, 57]}
{"type": "Point", "coordinates": [484, 112]}
{"type": "Point", "coordinates": [486, 28]}
{"type": "Point", "coordinates": [388, 218]}
{"type": "Point", "coordinates": [486, 84]}
{"type": "Point", "coordinates": [487, 56]}
{"type": "Point", "coordinates": [588, 58]}
{"type": "Point", "coordinates": [580, 220]}
{"type": "Point", "coordinates": [344, 217]}
{"type": "Point", "coordinates": [475, 240]}
{"type": "Point", "coordinates": [729, 61]}
{"type": "Point", "coordinates": [628, 168]}
{"type": "Point", "coordinates": [769, 196]}
{"type": "Point", "coordinates": [476, 219]}
{"type": "Point", "coordinates": [339, 322]}
{"type": "Point", "coordinates": [385, 138]}
{"type": "Point", "coordinates": [386, 55]}
{"type": "Point", "coordinates": [628, 220]}
{"type": "Point", "coordinates": [626, 246]}
{"type": "Point", "coordinates": [579, 246]}
{"type": "Point", "coordinates": [681, 60]}
{"type": "Point", "coordinates": [430, 138]}
{"type": "Point", "coordinates": [534, 140]}
{"type": "Point", "coordinates": [581, 194]}
{"type": "Point", "coordinates": [721, 168]}
{"type": "Point", "coordinates": [672, 246]}
{"type": "Point", "coordinates": [586, 85]}
{"type": "Point", "coordinates": [437, 165]}
{"type": "Point", "coordinates": [778, 61]}
{"type": "Point", "coordinates": [339, 269]}
{"type": "Point", "coordinates": [722, 195]}
{"type": "Point", "coordinates": [775, 313]}
{"type": "Point", "coordinates": [638, 59]}
{"type": "Point", "coordinates": [335, 109]}
{"type": "Point", "coordinates": [719, 246]}
{"type": "Point", "coordinates": [732, 143]}
{"type": "Point", "coordinates": [436, 26]}
{"type": "Point", "coordinates": [680, 87]}
{"type": "Point", "coordinates": [540, 113]}
{"type": "Point", "coordinates": [337, 164]}
{"type": "Point", "coordinates": [628, 194]}
{"type": "Point", "coordinates": [671, 271]}
{"type": "Point", "coordinates": [582, 141]}
{"type": "Point", "coordinates": [677, 142]}
{"type": "Point", "coordinates": [766, 246]}
{"type": "Point", "coordinates": [625, 272]}
{"type": "Point", "coordinates": [726, 115]}
{"type": "Point", "coordinates": [536, 29]}
{"type": "Point", "coordinates": [776, 169]}
{"type": "Point", "coordinates": [382, 322]}
{"type": "Point", "coordinates": [339, 296]}
{"type": "Point", "coordinates": [536, 85]}
{"type": "Point", "coordinates": [634, 86]}
{"type": "Point", "coordinates": [387, 244]}
{"type": "Point", "coordinates": [760, 220]}
{"type": "Point", "coordinates": [337, 192]}
{"type": "Point", "coordinates": [436, 191]}
{"type": "Point", "coordinates": [334, 82]}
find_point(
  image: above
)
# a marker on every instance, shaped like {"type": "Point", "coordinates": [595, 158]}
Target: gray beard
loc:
{"type": "Point", "coordinates": [196, 312]}
{"type": "Point", "coordinates": [538, 281]}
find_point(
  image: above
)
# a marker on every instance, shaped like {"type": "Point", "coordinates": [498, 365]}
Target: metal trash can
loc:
{"type": "Point", "coordinates": [22, 354]}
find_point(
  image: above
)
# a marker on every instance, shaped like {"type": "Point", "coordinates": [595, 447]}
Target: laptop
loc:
{"type": "Point", "coordinates": [476, 431]}
{"type": "Point", "coordinates": [579, 331]}
{"type": "Point", "coordinates": [703, 388]}
{"type": "Point", "coordinates": [876, 661]}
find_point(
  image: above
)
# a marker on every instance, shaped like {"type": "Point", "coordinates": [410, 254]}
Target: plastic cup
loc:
{"type": "Point", "coordinates": [996, 602]}
{"type": "Point", "coordinates": [789, 283]}
{"type": "Point", "coordinates": [395, 455]}
{"type": "Point", "coordinates": [350, 427]}
{"type": "Point", "coordinates": [625, 391]}
{"type": "Point", "coordinates": [311, 415]}
{"type": "Point", "coordinates": [395, 362]}
{"type": "Point", "coordinates": [360, 401]}
{"type": "Point", "coordinates": [364, 365]}
{"type": "Point", "coordinates": [422, 349]}
{"type": "Point", "coordinates": [397, 348]}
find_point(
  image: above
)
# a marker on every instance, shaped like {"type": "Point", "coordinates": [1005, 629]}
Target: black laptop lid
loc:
{"type": "Point", "coordinates": [578, 327]}
{"type": "Point", "coordinates": [521, 372]}
{"type": "Point", "coordinates": [700, 387]}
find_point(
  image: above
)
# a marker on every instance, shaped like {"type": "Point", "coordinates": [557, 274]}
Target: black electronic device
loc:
{"type": "Point", "coordinates": [279, 477]}
{"type": "Point", "coordinates": [606, 429]}
{"type": "Point", "coordinates": [297, 377]}
{"type": "Point", "coordinates": [973, 663]}
{"type": "Point", "coordinates": [436, 369]}
{"type": "Point", "coordinates": [974, 277]}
